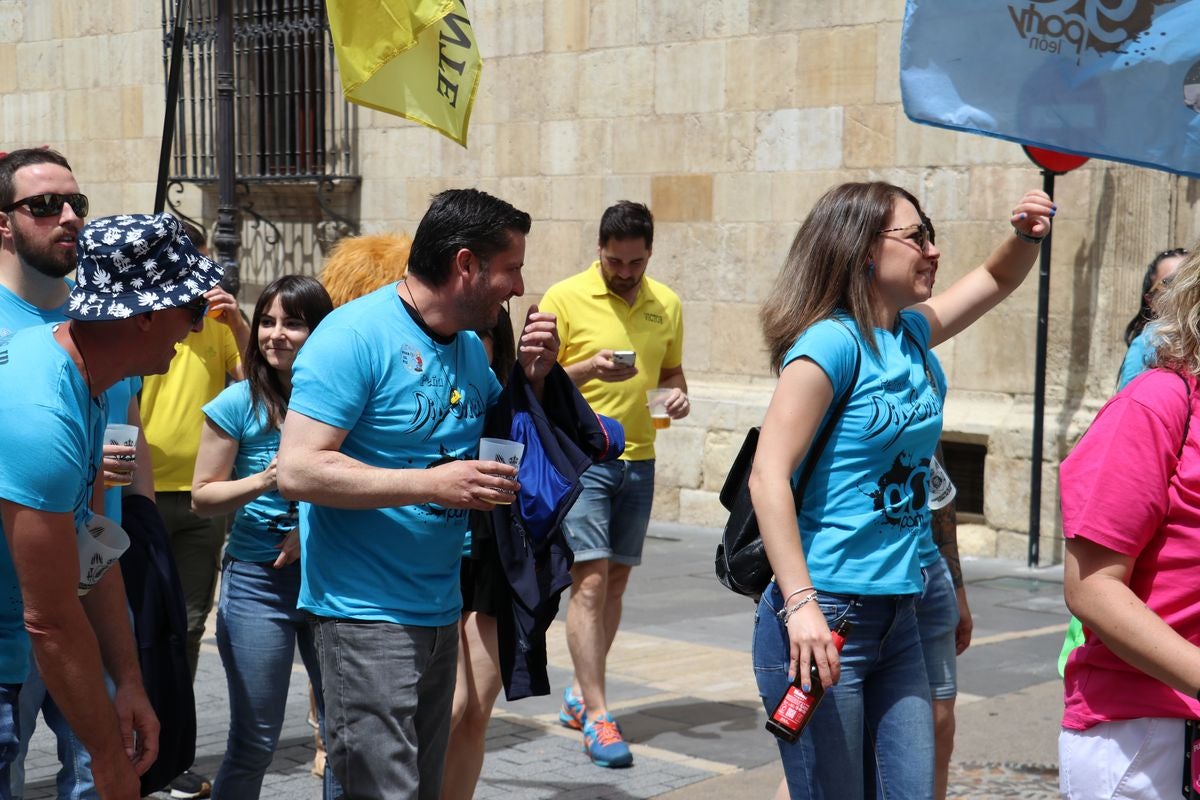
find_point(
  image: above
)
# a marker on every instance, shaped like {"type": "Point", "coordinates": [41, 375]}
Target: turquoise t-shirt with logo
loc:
{"type": "Point", "coordinates": [406, 402]}
{"type": "Point", "coordinates": [50, 458]}
{"type": "Point", "coordinates": [929, 553]}
{"type": "Point", "coordinates": [865, 510]}
{"type": "Point", "coordinates": [263, 523]}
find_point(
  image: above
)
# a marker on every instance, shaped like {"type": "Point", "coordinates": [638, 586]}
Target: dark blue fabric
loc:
{"type": "Point", "coordinates": [160, 628]}
{"type": "Point", "coordinates": [562, 438]}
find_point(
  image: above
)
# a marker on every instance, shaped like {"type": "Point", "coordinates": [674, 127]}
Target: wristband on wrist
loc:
{"type": "Point", "coordinates": [1025, 237]}
{"type": "Point", "coordinates": [788, 599]}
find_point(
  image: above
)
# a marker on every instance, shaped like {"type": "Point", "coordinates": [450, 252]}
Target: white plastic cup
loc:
{"type": "Point", "coordinates": [656, 401]}
{"type": "Point", "coordinates": [121, 435]}
{"type": "Point", "coordinates": [101, 542]}
{"type": "Point", "coordinates": [505, 451]}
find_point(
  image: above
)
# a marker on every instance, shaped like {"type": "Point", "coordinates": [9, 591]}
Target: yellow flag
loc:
{"type": "Point", "coordinates": [417, 59]}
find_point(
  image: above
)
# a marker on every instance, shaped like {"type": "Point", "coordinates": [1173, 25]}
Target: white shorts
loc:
{"type": "Point", "coordinates": [1136, 758]}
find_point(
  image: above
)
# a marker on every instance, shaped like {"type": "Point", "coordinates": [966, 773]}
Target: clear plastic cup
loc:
{"type": "Point", "coordinates": [122, 435]}
{"type": "Point", "coordinates": [101, 542]}
{"type": "Point", "coordinates": [505, 451]}
{"type": "Point", "coordinates": [656, 401]}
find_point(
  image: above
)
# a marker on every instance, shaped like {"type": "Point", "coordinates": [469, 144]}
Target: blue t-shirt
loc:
{"type": "Point", "coordinates": [406, 402]}
{"type": "Point", "coordinates": [1137, 357]}
{"type": "Point", "coordinates": [865, 508]}
{"type": "Point", "coordinates": [51, 455]}
{"type": "Point", "coordinates": [260, 525]}
{"type": "Point", "coordinates": [17, 314]}
{"type": "Point", "coordinates": [929, 553]}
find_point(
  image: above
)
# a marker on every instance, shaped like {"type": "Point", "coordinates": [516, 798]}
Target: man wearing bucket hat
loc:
{"type": "Point", "coordinates": [140, 291]}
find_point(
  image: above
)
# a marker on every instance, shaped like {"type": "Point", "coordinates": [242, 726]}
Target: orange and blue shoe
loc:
{"type": "Point", "coordinates": [603, 743]}
{"type": "Point", "coordinates": [573, 714]}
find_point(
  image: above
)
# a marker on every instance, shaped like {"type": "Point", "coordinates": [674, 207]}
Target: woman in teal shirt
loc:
{"type": "Point", "coordinates": [258, 625]}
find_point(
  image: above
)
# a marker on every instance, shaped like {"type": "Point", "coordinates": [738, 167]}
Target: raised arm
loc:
{"type": "Point", "coordinates": [313, 468]}
{"type": "Point", "coordinates": [982, 289]}
{"type": "Point", "coordinates": [800, 401]}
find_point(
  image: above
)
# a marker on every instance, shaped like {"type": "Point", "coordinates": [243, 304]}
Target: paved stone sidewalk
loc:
{"type": "Point", "coordinates": [683, 690]}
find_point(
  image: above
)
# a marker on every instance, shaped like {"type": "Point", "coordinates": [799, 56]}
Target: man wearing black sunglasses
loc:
{"type": "Point", "coordinates": [41, 214]}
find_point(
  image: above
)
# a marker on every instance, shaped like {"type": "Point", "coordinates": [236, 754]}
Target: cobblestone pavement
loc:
{"type": "Point", "coordinates": [683, 691]}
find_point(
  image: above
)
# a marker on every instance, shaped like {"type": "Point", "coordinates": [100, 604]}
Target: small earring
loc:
{"type": "Point", "coordinates": [870, 267]}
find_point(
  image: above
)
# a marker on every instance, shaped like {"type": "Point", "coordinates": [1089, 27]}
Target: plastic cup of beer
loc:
{"type": "Point", "coordinates": [121, 435]}
{"type": "Point", "coordinates": [656, 401]}
{"type": "Point", "coordinates": [505, 451]}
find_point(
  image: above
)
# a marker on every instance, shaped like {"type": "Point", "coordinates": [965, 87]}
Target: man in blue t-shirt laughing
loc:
{"type": "Point", "coordinates": [388, 403]}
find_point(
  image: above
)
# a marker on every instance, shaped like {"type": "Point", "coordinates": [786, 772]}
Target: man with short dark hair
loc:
{"type": "Point", "coordinates": [139, 291]}
{"type": "Point", "coordinates": [608, 314]}
{"type": "Point", "coordinates": [387, 407]}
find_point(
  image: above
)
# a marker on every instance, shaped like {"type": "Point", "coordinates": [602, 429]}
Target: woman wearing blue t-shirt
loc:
{"type": "Point", "coordinates": [258, 626]}
{"type": "Point", "coordinates": [857, 289]}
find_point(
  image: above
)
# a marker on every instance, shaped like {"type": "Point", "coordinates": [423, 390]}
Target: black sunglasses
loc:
{"type": "Point", "coordinates": [199, 308]}
{"type": "Point", "coordinates": [51, 204]}
{"type": "Point", "coordinates": [922, 234]}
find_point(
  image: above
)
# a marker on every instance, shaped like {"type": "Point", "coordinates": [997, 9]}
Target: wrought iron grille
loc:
{"type": "Point", "coordinates": [291, 122]}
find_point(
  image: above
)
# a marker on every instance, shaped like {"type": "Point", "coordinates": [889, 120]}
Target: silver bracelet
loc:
{"type": "Point", "coordinates": [1025, 237]}
{"type": "Point", "coordinates": [788, 599]}
{"type": "Point", "coordinates": [786, 614]}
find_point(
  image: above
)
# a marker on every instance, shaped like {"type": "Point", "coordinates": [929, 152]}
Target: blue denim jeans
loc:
{"type": "Point", "coordinates": [388, 693]}
{"type": "Point", "coordinates": [258, 632]}
{"type": "Point", "coordinates": [880, 702]}
{"type": "Point", "coordinates": [937, 621]}
{"type": "Point", "coordinates": [9, 738]}
{"type": "Point", "coordinates": [74, 779]}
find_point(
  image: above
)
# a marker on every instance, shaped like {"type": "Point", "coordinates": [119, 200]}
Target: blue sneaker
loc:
{"type": "Point", "coordinates": [603, 743]}
{"type": "Point", "coordinates": [573, 714]}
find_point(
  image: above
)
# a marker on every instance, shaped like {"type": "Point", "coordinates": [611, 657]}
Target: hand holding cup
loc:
{"type": "Point", "coordinates": [120, 454]}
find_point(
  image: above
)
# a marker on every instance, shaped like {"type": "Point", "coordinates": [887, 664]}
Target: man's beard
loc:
{"type": "Point", "coordinates": [49, 260]}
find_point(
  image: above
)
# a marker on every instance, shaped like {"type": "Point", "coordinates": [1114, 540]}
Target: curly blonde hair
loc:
{"type": "Point", "coordinates": [1177, 328]}
{"type": "Point", "coordinates": [361, 264]}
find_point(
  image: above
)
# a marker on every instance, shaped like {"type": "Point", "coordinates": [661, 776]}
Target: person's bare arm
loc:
{"type": "Point", "coordinates": [1096, 587]}
{"type": "Point", "coordinates": [312, 468]}
{"type": "Point", "coordinates": [44, 553]}
{"type": "Point", "coordinates": [599, 367]}
{"type": "Point", "coordinates": [213, 491]}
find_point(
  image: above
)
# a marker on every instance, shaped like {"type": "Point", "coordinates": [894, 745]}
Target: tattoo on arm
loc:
{"type": "Point", "coordinates": [945, 536]}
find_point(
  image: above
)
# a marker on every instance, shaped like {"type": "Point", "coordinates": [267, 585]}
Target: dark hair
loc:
{"type": "Point", "coordinates": [827, 269]}
{"type": "Point", "coordinates": [301, 296]}
{"type": "Point", "coordinates": [1145, 313]}
{"type": "Point", "coordinates": [504, 348]}
{"type": "Point", "coordinates": [627, 220]}
{"type": "Point", "coordinates": [462, 219]}
{"type": "Point", "coordinates": [15, 160]}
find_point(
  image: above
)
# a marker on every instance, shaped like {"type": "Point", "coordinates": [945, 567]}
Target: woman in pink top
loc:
{"type": "Point", "coordinates": [1131, 517]}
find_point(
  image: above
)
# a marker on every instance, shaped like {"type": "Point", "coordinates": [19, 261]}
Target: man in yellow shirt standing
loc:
{"type": "Point", "coordinates": [622, 335]}
{"type": "Point", "coordinates": [172, 416]}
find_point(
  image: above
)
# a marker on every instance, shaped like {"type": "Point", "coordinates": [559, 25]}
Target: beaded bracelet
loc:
{"type": "Point", "coordinates": [1025, 237]}
{"type": "Point", "coordinates": [786, 614]}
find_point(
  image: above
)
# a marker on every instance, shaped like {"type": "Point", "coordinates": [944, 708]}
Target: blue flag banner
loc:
{"type": "Point", "coordinates": [1112, 79]}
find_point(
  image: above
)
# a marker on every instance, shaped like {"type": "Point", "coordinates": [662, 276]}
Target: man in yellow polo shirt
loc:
{"type": "Point", "coordinates": [604, 313]}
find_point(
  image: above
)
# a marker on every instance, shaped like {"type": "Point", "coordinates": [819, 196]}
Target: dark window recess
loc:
{"type": "Point", "coordinates": [291, 121]}
{"type": "Point", "coordinates": [964, 464]}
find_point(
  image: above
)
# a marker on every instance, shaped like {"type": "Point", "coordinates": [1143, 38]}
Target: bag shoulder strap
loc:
{"type": "Point", "coordinates": [818, 445]}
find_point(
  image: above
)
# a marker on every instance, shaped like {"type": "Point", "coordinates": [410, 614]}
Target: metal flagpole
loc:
{"type": "Point", "coordinates": [174, 72]}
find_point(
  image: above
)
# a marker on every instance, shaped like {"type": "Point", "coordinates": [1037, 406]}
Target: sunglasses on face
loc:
{"type": "Point", "coordinates": [198, 308]}
{"type": "Point", "coordinates": [51, 204]}
{"type": "Point", "coordinates": [922, 234]}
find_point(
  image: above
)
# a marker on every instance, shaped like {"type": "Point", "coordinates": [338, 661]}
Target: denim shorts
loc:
{"type": "Point", "coordinates": [610, 518]}
{"type": "Point", "coordinates": [937, 620]}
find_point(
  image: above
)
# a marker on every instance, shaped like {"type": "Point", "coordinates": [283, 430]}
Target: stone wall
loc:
{"type": "Point", "coordinates": [729, 117]}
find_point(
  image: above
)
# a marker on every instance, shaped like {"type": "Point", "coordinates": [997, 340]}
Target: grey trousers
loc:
{"type": "Point", "coordinates": [388, 691]}
{"type": "Point", "coordinates": [196, 543]}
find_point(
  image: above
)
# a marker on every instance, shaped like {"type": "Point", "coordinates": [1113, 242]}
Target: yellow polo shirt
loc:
{"type": "Point", "coordinates": [171, 403]}
{"type": "Point", "coordinates": [591, 319]}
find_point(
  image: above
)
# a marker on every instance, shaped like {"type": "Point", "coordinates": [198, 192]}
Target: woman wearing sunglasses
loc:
{"type": "Point", "coordinates": [855, 296]}
{"type": "Point", "coordinates": [258, 626]}
{"type": "Point", "coordinates": [1138, 337]}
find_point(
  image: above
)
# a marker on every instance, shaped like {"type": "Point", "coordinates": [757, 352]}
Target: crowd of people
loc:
{"type": "Point", "coordinates": [318, 465]}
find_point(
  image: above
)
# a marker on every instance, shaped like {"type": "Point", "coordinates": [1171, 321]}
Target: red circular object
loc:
{"type": "Point", "coordinates": [1054, 161]}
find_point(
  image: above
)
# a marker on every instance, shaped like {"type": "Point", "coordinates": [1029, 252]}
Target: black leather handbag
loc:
{"type": "Point", "coordinates": [741, 561]}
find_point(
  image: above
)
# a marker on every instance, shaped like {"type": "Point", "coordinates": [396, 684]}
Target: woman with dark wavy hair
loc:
{"type": "Point", "coordinates": [1138, 337]}
{"type": "Point", "coordinates": [852, 315]}
{"type": "Point", "coordinates": [258, 626]}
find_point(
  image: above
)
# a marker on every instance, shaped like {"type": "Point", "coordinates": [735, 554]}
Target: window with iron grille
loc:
{"type": "Point", "coordinates": [291, 122]}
